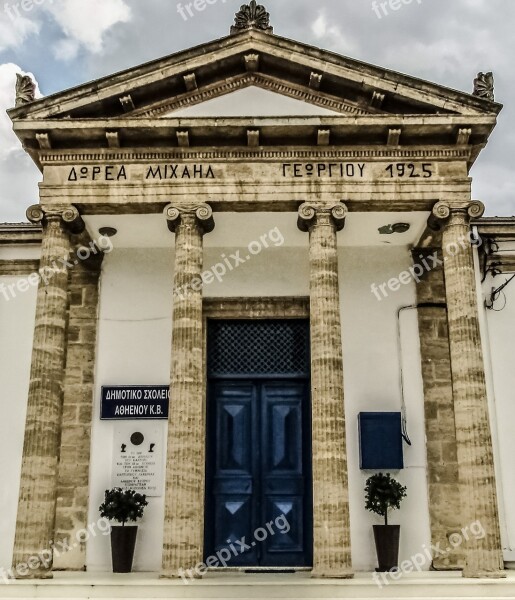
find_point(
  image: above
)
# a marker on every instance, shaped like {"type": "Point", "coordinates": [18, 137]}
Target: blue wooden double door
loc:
{"type": "Point", "coordinates": [258, 475]}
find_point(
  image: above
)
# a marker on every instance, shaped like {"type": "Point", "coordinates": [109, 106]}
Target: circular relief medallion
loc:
{"type": "Point", "coordinates": [137, 438]}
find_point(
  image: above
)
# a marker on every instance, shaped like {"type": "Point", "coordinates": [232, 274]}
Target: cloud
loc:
{"type": "Point", "coordinates": [8, 71]}
{"type": "Point", "coordinates": [330, 34]}
{"type": "Point", "coordinates": [66, 49]}
{"type": "Point", "coordinates": [494, 185]}
{"type": "Point", "coordinates": [14, 30]}
{"type": "Point", "coordinates": [85, 24]}
{"type": "Point", "coordinates": [19, 187]}
{"type": "Point", "coordinates": [18, 174]}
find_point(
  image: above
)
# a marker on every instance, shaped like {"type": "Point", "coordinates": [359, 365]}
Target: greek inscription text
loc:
{"type": "Point", "coordinates": [325, 170]}
{"type": "Point", "coordinates": [180, 172]}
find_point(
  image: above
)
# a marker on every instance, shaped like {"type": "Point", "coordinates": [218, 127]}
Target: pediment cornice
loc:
{"type": "Point", "coordinates": [252, 57]}
{"type": "Point", "coordinates": [265, 82]}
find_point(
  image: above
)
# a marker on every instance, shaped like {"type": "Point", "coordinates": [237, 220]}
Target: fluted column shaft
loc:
{"type": "Point", "coordinates": [73, 482]}
{"type": "Point", "coordinates": [185, 476]}
{"type": "Point", "coordinates": [331, 523]}
{"type": "Point", "coordinates": [474, 443]}
{"type": "Point", "coordinates": [38, 487]}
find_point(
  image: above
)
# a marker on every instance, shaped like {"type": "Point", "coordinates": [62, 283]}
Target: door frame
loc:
{"type": "Point", "coordinates": [280, 307]}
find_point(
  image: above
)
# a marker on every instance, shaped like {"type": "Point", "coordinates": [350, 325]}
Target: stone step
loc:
{"type": "Point", "coordinates": [298, 586]}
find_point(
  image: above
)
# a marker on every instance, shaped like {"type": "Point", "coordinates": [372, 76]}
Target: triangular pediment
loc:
{"type": "Point", "coordinates": [251, 101]}
{"type": "Point", "coordinates": [217, 71]}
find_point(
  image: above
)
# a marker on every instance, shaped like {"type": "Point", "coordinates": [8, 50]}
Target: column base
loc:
{"type": "Point", "coordinates": [184, 575]}
{"type": "Point", "coordinates": [441, 568]}
{"type": "Point", "coordinates": [329, 574]}
{"type": "Point", "coordinates": [483, 574]}
{"type": "Point", "coordinates": [34, 575]}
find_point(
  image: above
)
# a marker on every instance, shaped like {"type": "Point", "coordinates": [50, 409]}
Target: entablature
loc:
{"type": "Point", "coordinates": [13, 234]}
{"type": "Point", "coordinates": [376, 135]}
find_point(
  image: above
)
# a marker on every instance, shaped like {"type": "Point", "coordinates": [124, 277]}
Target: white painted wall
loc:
{"type": "Point", "coordinates": [17, 317]}
{"type": "Point", "coordinates": [371, 370]}
{"type": "Point", "coordinates": [134, 348]}
{"type": "Point", "coordinates": [499, 337]}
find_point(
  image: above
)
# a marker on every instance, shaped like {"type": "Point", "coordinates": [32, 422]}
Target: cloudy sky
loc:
{"type": "Point", "coordinates": [68, 42]}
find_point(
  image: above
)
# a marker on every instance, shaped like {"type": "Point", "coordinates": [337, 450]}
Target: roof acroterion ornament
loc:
{"type": "Point", "coordinates": [252, 16]}
{"type": "Point", "coordinates": [25, 90]}
{"type": "Point", "coordinates": [484, 86]}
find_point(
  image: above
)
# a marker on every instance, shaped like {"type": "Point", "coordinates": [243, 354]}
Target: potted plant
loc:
{"type": "Point", "coordinates": [123, 506]}
{"type": "Point", "coordinates": [382, 494]}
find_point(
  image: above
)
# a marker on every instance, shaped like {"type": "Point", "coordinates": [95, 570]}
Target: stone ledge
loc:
{"type": "Point", "coordinates": [421, 586]}
{"type": "Point", "coordinates": [18, 267]}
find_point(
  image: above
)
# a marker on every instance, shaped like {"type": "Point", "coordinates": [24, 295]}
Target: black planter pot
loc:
{"type": "Point", "coordinates": [387, 539]}
{"type": "Point", "coordinates": [123, 542]}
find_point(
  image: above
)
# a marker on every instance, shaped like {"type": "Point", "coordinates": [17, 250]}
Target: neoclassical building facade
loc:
{"type": "Point", "coordinates": [287, 238]}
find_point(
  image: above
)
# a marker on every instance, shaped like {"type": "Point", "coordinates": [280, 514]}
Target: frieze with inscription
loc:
{"type": "Point", "coordinates": [160, 172]}
{"type": "Point", "coordinates": [185, 173]}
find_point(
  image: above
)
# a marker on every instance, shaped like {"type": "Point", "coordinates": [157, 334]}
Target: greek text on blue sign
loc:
{"type": "Point", "coordinates": [135, 402]}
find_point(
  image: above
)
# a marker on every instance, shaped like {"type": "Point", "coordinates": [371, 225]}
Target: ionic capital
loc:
{"type": "Point", "coordinates": [312, 215]}
{"type": "Point", "coordinates": [472, 210]}
{"type": "Point", "coordinates": [201, 214]}
{"type": "Point", "coordinates": [445, 212]}
{"type": "Point", "coordinates": [67, 216]}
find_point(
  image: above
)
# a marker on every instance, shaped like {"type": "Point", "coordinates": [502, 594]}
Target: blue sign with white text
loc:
{"type": "Point", "coordinates": [135, 402]}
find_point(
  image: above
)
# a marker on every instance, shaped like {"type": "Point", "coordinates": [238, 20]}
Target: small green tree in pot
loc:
{"type": "Point", "coordinates": [123, 506]}
{"type": "Point", "coordinates": [384, 493]}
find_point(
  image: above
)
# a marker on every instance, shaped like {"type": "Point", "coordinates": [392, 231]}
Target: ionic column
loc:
{"type": "Point", "coordinates": [331, 523]}
{"type": "Point", "coordinates": [483, 557]}
{"type": "Point", "coordinates": [185, 475]}
{"type": "Point", "coordinates": [38, 488]}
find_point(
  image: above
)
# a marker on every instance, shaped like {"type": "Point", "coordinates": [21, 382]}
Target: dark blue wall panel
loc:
{"type": "Point", "coordinates": [380, 440]}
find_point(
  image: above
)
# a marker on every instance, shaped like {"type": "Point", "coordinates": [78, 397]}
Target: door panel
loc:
{"type": "Point", "coordinates": [258, 475]}
{"type": "Point", "coordinates": [283, 481]}
{"type": "Point", "coordinates": [234, 428]}
{"type": "Point", "coordinates": [287, 548]}
{"type": "Point", "coordinates": [233, 480]}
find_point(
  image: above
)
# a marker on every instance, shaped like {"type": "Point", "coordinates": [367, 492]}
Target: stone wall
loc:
{"type": "Point", "coordinates": [444, 492]}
